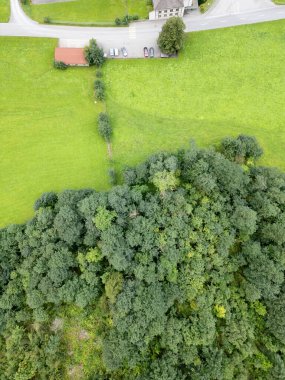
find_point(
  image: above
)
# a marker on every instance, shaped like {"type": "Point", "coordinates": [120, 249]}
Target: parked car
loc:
{"type": "Point", "coordinates": [151, 52]}
{"type": "Point", "coordinates": [124, 52]}
{"type": "Point", "coordinates": [116, 52]}
{"type": "Point", "coordinates": [145, 52]}
{"type": "Point", "coordinates": [112, 52]}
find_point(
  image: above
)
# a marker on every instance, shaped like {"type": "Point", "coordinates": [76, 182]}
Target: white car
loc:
{"type": "Point", "coordinates": [116, 52]}
{"type": "Point", "coordinates": [112, 52]}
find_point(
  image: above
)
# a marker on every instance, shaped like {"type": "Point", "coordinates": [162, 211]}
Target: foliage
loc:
{"type": "Point", "coordinates": [241, 149]}
{"type": "Point", "coordinates": [112, 176]}
{"type": "Point", "coordinates": [99, 89]}
{"type": "Point", "coordinates": [94, 55]}
{"type": "Point", "coordinates": [60, 65]}
{"type": "Point", "coordinates": [171, 37]}
{"type": "Point", "coordinates": [37, 354]}
{"type": "Point", "coordinates": [47, 20]}
{"type": "Point", "coordinates": [104, 126]}
{"type": "Point", "coordinates": [180, 273]}
{"type": "Point", "coordinates": [126, 19]}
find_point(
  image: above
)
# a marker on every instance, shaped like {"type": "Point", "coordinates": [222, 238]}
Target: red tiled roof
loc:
{"type": "Point", "coordinates": [70, 56]}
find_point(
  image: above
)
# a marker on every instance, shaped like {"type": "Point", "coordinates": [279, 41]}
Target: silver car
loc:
{"type": "Point", "coordinates": [112, 52]}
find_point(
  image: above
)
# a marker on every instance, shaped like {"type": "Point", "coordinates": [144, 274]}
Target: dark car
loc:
{"type": "Point", "coordinates": [124, 52]}
{"type": "Point", "coordinates": [151, 52]}
{"type": "Point", "coordinates": [145, 52]}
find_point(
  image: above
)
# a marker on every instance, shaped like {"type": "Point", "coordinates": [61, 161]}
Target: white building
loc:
{"type": "Point", "coordinates": [163, 9]}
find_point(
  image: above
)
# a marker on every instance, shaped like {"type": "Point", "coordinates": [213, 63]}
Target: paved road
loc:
{"type": "Point", "coordinates": [224, 13]}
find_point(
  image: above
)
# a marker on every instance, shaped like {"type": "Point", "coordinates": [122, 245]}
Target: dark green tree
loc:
{"type": "Point", "coordinates": [94, 55]}
{"type": "Point", "coordinates": [171, 37]}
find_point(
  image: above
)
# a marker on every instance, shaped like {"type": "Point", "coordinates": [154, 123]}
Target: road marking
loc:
{"type": "Point", "coordinates": [132, 32]}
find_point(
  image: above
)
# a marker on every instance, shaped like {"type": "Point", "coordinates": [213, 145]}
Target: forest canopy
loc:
{"type": "Point", "coordinates": [180, 271]}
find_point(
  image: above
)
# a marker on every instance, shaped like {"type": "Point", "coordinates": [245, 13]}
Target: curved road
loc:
{"type": "Point", "coordinates": [224, 13]}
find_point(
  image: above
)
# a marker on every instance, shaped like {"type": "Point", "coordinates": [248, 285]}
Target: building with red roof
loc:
{"type": "Point", "coordinates": [70, 56]}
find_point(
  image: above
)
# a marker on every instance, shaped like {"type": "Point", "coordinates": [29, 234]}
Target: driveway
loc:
{"type": "Point", "coordinates": [231, 7]}
{"type": "Point", "coordinates": [224, 13]}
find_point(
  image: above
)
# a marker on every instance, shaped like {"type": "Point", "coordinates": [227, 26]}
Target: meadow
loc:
{"type": "Point", "coordinates": [226, 82]}
{"type": "Point", "coordinates": [4, 10]}
{"type": "Point", "coordinates": [48, 130]}
{"type": "Point", "coordinates": [87, 11]}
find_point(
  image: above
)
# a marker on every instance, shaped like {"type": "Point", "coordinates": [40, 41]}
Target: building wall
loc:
{"type": "Point", "coordinates": [166, 13]}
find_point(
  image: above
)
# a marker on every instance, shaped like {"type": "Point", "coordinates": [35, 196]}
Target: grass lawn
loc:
{"type": "Point", "coordinates": [279, 2]}
{"type": "Point", "coordinates": [48, 133]}
{"type": "Point", "coordinates": [226, 82]}
{"type": "Point", "coordinates": [4, 10]}
{"type": "Point", "coordinates": [101, 11]}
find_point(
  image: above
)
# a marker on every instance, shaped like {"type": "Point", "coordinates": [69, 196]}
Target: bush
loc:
{"type": "Point", "coordinates": [104, 126]}
{"type": "Point", "coordinates": [100, 94]}
{"type": "Point", "coordinates": [126, 19]}
{"type": "Point", "coordinates": [99, 89]}
{"type": "Point", "coordinates": [98, 84]}
{"type": "Point", "coordinates": [99, 74]}
{"type": "Point", "coordinates": [47, 20]}
{"type": "Point", "coordinates": [112, 176]}
{"type": "Point", "coordinates": [60, 65]}
{"type": "Point", "coordinates": [94, 55]}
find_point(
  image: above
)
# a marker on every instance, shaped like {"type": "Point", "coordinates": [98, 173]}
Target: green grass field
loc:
{"type": "Point", "coordinates": [279, 2]}
{"type": "Point", "coordinates": [48, 130]}
{"type": "Point", "coordinates": [4, 10]}
{"type": "Point", "coordinates": [226, 82]}
{"type": "Point", "coordinates": [101, 11]}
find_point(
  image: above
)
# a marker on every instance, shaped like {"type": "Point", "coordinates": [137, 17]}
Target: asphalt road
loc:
{"type": "Point", "coordinates": [225, 13]}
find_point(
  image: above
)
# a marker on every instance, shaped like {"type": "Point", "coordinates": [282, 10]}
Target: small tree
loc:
{"type": "Point", "coordinates": [99, 89]}
{"type": "Point", "coordinates": [105, 130]}
{"type": "Point", "coordinates": [104, 126]}
{"type": "Point", "coordinates": [94, 55]}
{"type": "Point", "coordinates": [171, 38]}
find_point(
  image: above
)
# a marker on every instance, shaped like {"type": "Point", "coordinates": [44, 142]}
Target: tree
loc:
{"type": "Point", "coordinates": [105, 130]}
{"type": "Point", "coordinates": [241, 149]}
{"type": "Point", "coordinates": [94, 55]}
{"type": "Point", "coordinates": [187, 285]}
{"type": "Point", "coordinates": [104, 126]}
{"type": "Point", "coordinates": [99, 89]}
{"type": "Point", "coordinates": [171, 38]}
